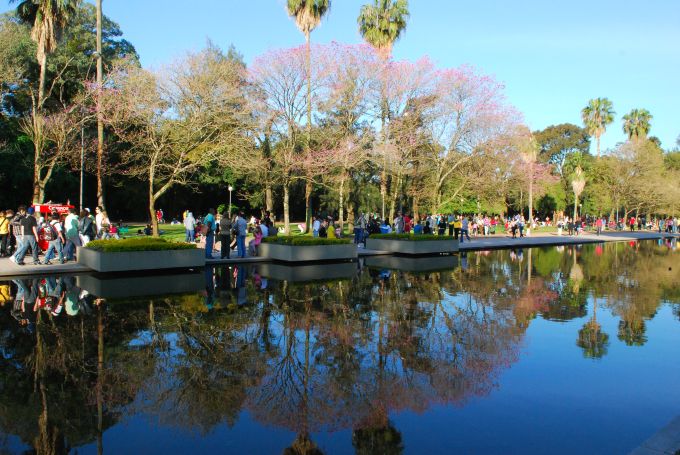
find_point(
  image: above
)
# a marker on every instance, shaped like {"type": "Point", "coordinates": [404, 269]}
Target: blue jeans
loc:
{"type": "Point", "coordinates": [241, 245]}
{"type": "Point", "coordinates": [209, 242]}
{"type": "Point", "coordinates": [29, 240]}
{"type": "Point", "coordinates": [189, 237]}
{"type": "Point", "coordinates": [358, 235]}
{"type": "Point", "coordinates": [464, 233]}
{"type": "Point", "coordinates": [70, 249]}
{"type": "Point", "coordinates": [55, 245]}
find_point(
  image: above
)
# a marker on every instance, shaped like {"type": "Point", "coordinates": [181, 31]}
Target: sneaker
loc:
{"type": "Point", "coordinates": [13, 259]}
{"type": "Point", "coordinates": [62, 261]}
{"type": "Point", "coordinates": [36, 263]}
{"type": "Point", "coordinates": [46, 263]}
{"type": "Point", "coordinates": [21, 263]}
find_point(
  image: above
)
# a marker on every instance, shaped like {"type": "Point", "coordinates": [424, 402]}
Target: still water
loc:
{"type": "Point", "coordinates": [550, 350]}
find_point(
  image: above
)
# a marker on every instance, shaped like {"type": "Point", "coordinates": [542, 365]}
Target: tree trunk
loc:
{"type": "Point", "coordinates": [597, 141]}
{"type": "Point", "coordinates": [393, 199]}
{"type": "Point", "coordinates": [416, 207]}
{"type": "Point", "coordinates": [308, 204]}
{"type": "Point", "coordinates": [286, 209]}
{"type": "Point", "coordinates": [100, 122]}
{"type": "Point", "coordinates": [383, 191]}
{"type": "Point", "coordinates": [531, 193]}
{"type": "Point", "coordinates": [341, 204]}
{"type": "Point", "coordinates": [152, 209]}
{"type": "Point", "coordinates": [268, 197]}
{"type": "Point", "coordinates": [41, 83]}
{"type": "Point", "coordinates": [308, 185]}
{"type": "Point", "coordinates": [38, 190]}
{"type": "Point", "coordinates": [575, 205]}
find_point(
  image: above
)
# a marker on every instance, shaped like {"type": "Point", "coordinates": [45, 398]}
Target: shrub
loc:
{"type": "Point", "coordinates": [137, 244]}
{"type": "Point", "coordinates": [411, 237]}
{"type": "Point", "coordinates": [297, 240]}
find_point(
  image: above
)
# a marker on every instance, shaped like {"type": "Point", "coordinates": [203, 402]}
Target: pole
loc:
{"type": "Point", "coordinates": [82, 162]}
{"type": "Point", "coordinates": [230, 202]}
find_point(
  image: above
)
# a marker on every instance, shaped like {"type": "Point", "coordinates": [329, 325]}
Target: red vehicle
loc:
{"type": "Point", "coordinates": [45, 210]}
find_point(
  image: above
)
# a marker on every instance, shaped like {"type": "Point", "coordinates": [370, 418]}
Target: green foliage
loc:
{"type": "Point", "coordinates": [637, 123]}
{"type": "Point", "coordinates": [382, 23]}
{"type": "Point", "coordinates": [410, 237]}
{"type": "Point", "coordinates": [557, 142]}
{"type": "Point", "coordinates": [304, 241]}
{"type": "Point", "coordinates": [138, 244]}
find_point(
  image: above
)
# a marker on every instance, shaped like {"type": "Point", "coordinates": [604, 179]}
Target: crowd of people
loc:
{"type": "Point", "coordinates": [53, 295]}
{"type": "Point", "coordinates": [25, 232]}
{"type": "Point", "coordinates": [22, 233]}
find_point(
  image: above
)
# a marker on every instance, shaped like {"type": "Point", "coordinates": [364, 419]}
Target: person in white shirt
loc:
{"type": "Point", "coordinates": [98, 220]}
{"type": "Point", "coordinates": [316, 225]}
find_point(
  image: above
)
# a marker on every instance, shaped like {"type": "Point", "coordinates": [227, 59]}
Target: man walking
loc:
{"type": "Point", "coordinates": [464, 231]}
{"type": "Point", "coordinates": [53, 232]}
{"type": "Point", "coordinates": [72, 237]}
{"type": "Point", "coordinates": [241, 230]}
{"type": "Point", "coordinates": [209, 222]}
{"type": "Point", "coordinates": [29, 232]}
{"type": "Point", "coordinates": [225, 235]}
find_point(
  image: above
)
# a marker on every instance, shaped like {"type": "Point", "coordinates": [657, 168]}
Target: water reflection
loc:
{"type": "Point", "coordinates": [344, 352]}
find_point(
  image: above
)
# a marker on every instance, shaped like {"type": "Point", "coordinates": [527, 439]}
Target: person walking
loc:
{"type": "Point", "coordinates": [86, 227]}
{"type": "Point", "coordinates": [209, 230]}
{"type": "Point", "coordinates": [464, 229]}
{"type": "Point", "coordinates": [4, 234]}
{"type": "Point", "coordinates": [316, 225]}
{"type": "Point", "coordinates": [225, 234]}
{"type": "Point", "coordinates": [54, 233]}
{"type": "Point", "coordinates": [189, 227]}
{"type": "Point", "coordinates": [359, 228]}
{"type": "Point", "coordinates": [241, 231]}
{"type": "Point", "coordinates": [29, 234]}
{"type": "Point", "coordinates": [457, 225]}
{"type": "Point", "coordinates": [70, 229]}
{"type": "Point", "coordinates": [598, 225]}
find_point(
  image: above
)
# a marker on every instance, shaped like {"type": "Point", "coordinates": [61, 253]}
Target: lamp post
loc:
{"type": "Point", "coordinates": [231, 188]}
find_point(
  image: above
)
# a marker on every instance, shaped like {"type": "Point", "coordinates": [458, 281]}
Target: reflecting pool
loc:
{"type": "Point", "coordinates": [572, 349]}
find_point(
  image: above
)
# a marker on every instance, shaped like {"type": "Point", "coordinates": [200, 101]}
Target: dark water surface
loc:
{"type": "Point", "coordinates": [551, 350]}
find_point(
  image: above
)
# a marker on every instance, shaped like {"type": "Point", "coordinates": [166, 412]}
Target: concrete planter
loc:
{"type": "Point", "coordinates": [306, 253]}
{"type": "Point", "coordinates": [141, 260]}
{"type": "Point", "coordinates": [296, 273]}
{"type": "Point", "coordinates": [413, 264]}
{"type": "Point", "coordinates": [117, 288]}
{"type": "Point", "coordinates": [413, 247]}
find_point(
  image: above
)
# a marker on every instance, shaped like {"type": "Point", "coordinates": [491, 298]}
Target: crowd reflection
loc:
{"type": "Point", "coordinates": [308, 356]}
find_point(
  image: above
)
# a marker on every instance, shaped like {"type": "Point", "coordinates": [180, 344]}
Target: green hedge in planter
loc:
{"type": "Point", "coordinates": [137, 244]}
{"type": "Point", "coordinates": [304, 241]}
{"type": "Point", "coordinates": [411, 237]}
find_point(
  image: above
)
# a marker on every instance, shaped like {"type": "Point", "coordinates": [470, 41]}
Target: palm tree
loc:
{"type": "Point", "coordinates": [48, 19]}
{"type": "Point", "coordinates": [596, 116]}
{"type": "Point", "coordinates": [308, 14]}
{"type": "Point", "coordinates": [578, 182]}
{"type": "Point", "coordinates": [637, 123]}
{"type": "Point", "coordinates": [381, 24]}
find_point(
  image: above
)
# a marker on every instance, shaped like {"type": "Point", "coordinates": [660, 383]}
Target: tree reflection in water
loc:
{"type": "Point", "coordinates": [313, 356]}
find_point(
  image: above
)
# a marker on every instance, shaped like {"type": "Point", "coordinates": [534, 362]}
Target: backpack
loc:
{"type": "Point", "coordinates": [50, 232]}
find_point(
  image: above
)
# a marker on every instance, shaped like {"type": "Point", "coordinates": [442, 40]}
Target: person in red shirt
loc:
{"type": "Point", "coordinates": [598, 226]}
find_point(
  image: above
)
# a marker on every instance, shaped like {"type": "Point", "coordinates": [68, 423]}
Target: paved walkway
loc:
{"type": "Point", "coordinates": [544, 239]}
{"type": "Point", "coordinates": [10, 269]}
{"type": "Point", "coordinates": [665, 442]}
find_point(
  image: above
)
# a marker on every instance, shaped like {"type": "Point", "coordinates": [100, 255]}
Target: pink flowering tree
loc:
{"type": "Point", "coordinates": [470, 116]}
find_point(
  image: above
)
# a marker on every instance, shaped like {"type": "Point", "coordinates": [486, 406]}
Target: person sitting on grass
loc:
{"type": "Point", "coordinates": [417, 229]}
{"type": "Point", "coordinates": [385, 228]}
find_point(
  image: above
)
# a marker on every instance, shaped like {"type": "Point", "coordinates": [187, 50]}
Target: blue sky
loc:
{"type": "Point", "coordinates": [552, 56]}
